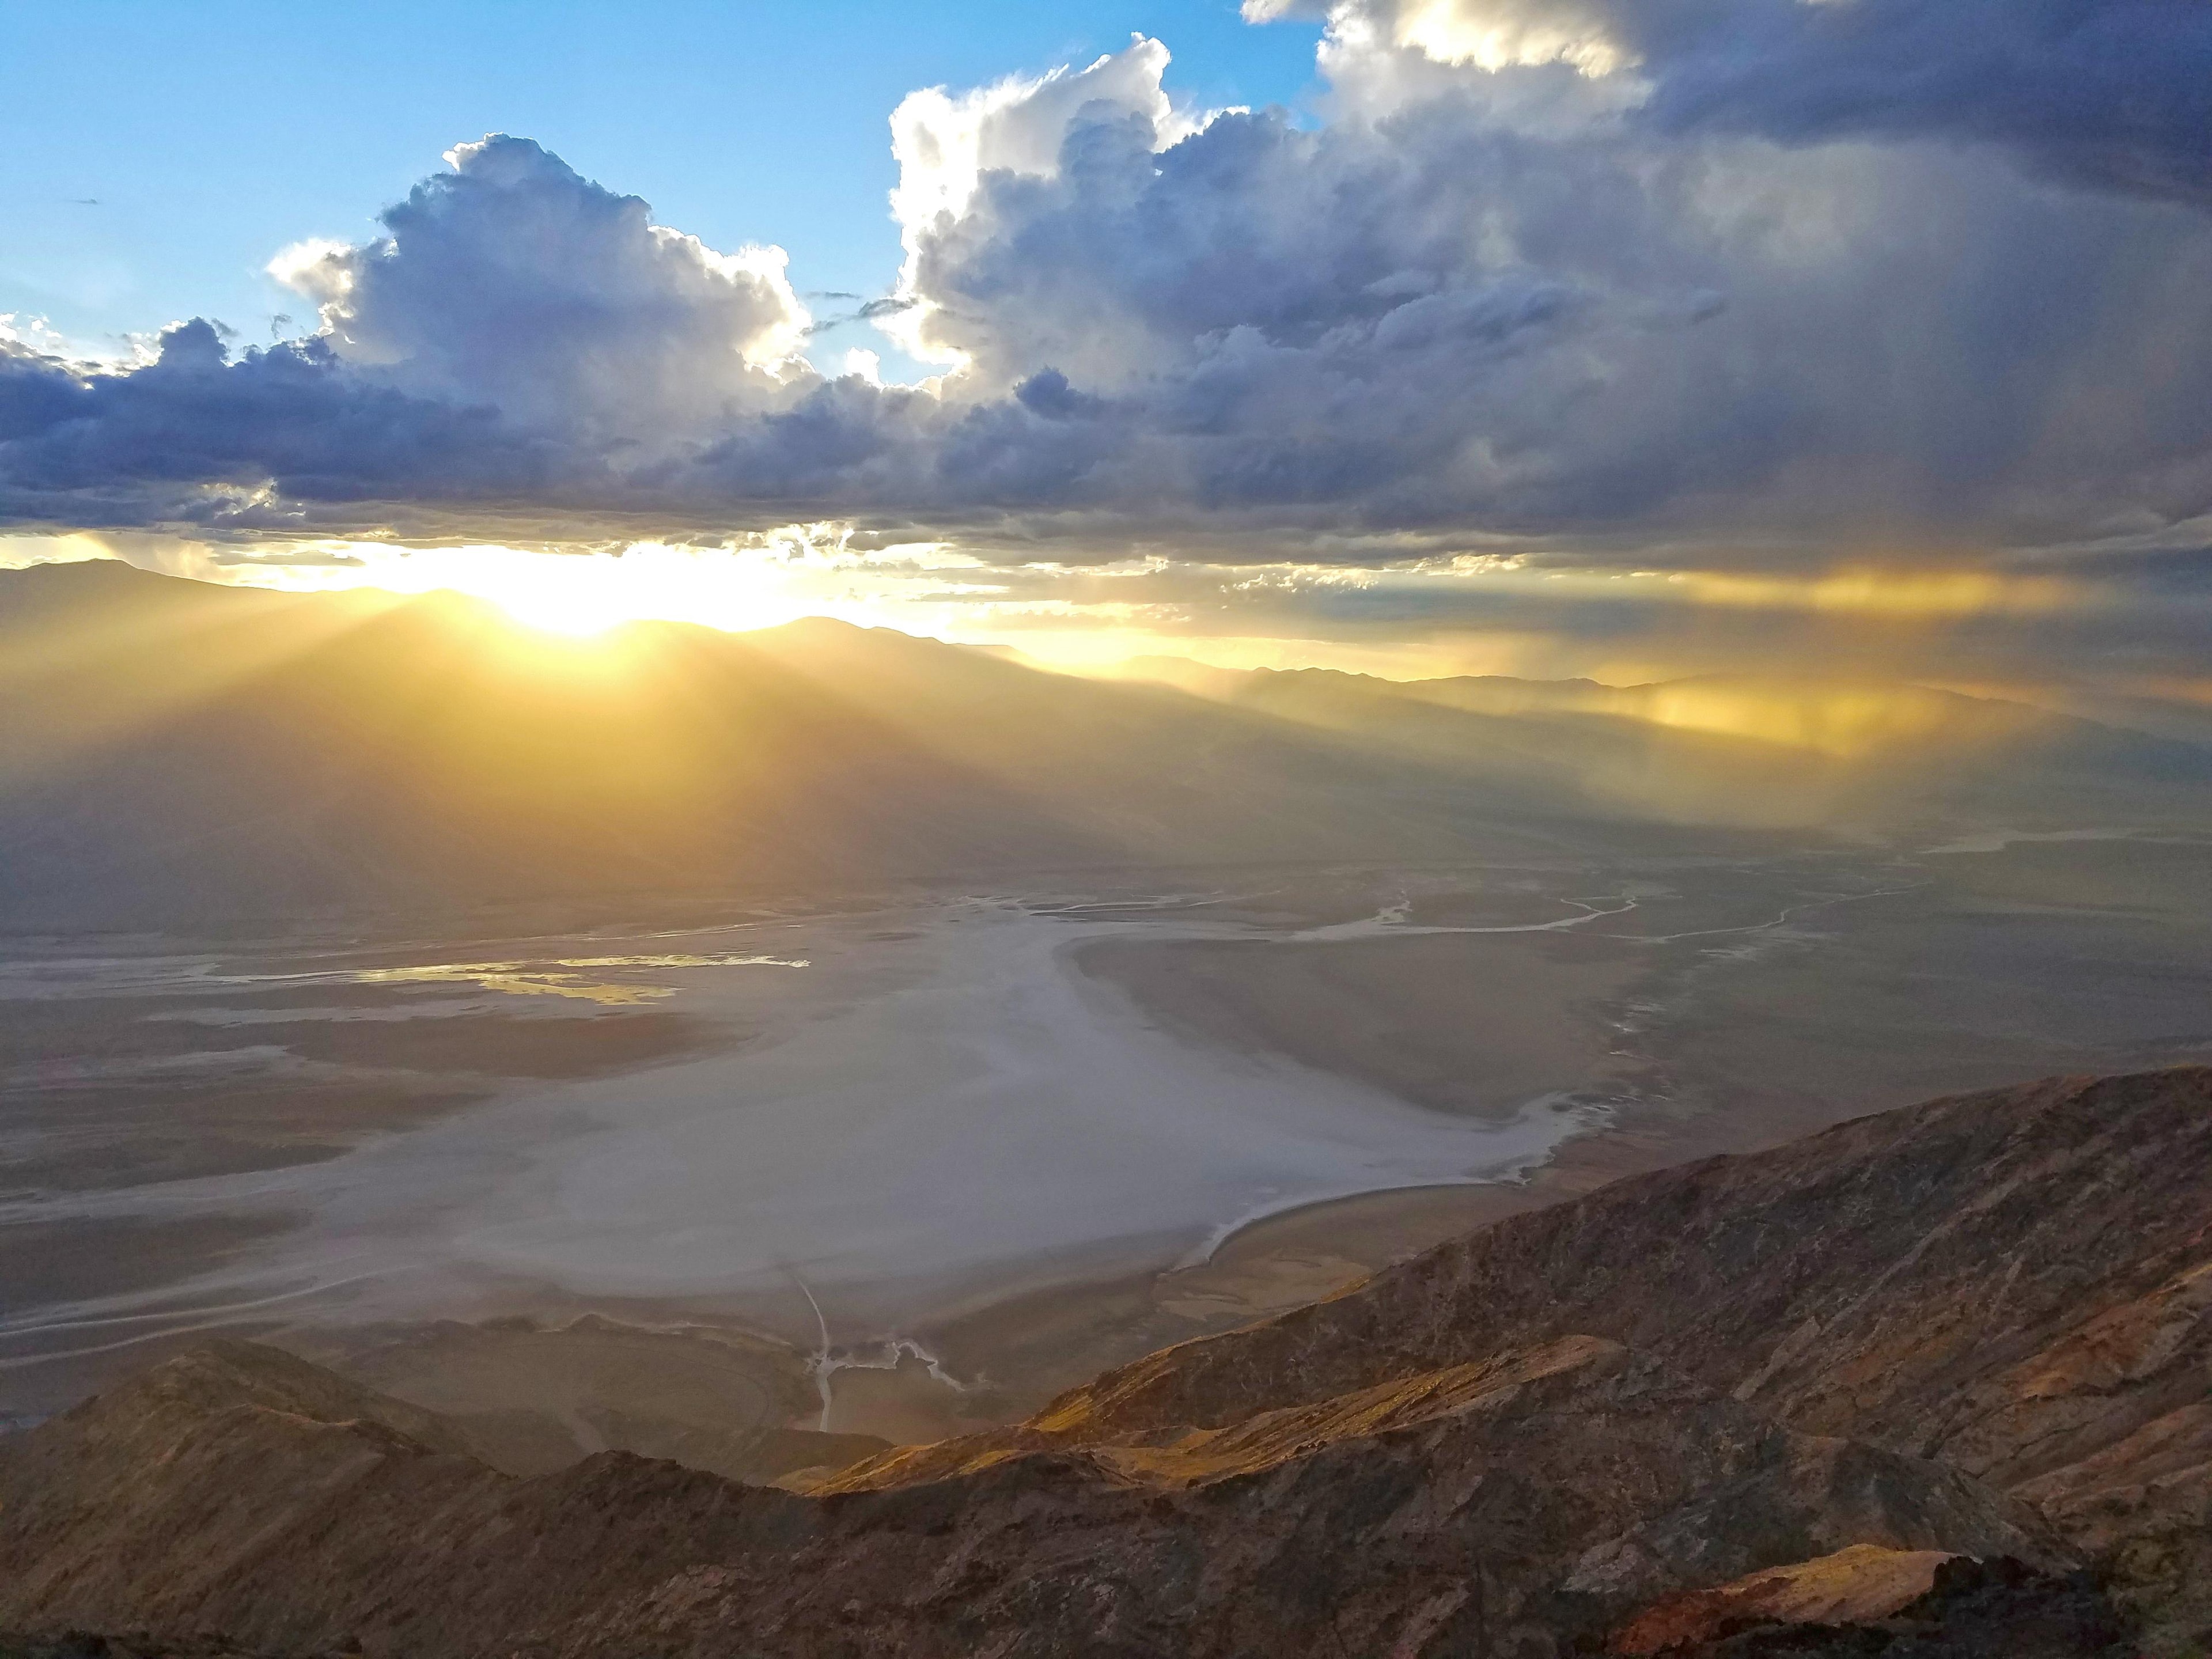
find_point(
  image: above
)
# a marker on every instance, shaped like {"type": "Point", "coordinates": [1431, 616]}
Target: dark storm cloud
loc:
{"type": "Point", "coordinates": [2113, 93]}
{"type": "Point", "coordinates": [1762, 272]}
{"type": "Point", "coordinates": [2108, 93]}
{"type": "Point", "coordinates": [197, 434]}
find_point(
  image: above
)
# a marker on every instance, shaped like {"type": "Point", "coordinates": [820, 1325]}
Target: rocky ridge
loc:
{"type": "Point", "coordinates": [1973, 1328]}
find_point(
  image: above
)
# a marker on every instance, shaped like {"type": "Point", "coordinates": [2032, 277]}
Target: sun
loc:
{"type": "Point", "coordinates": [545, 606]}
{"type": "Point", "coordinates": [586, 593]}
{"type": "Point", "coordinates": [576, 595]}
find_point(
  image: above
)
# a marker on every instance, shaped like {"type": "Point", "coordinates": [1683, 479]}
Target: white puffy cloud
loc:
{"type": "Point", "coordinates": [511, 280]}
{"type": "Point", "coordinates": [1490, 34]}
{"type": "Point", "coordinates": [946, 142]}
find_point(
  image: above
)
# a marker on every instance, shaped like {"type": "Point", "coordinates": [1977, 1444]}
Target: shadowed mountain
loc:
{"type": "Point", "coordinates": [1753, 1405]}
{"type": "Point", "coordinates": [181, 751]}
{"type": "Point", "coordinates": [177, 750]}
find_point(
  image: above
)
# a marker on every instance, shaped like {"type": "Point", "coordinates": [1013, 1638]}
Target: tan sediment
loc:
{"type": "Point", "coordinates": [1463, 1022]}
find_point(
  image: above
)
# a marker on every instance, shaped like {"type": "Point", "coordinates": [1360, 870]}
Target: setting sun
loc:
{"type": "Point", "coordinates": [579, 602]}
{"type": "Point", "coordinates": [583, 594]}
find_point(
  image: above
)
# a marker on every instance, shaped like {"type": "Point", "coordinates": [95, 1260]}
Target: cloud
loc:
{"type": "Point", "coordinates": [2111, 94]}
{"type": "Point", "coordinates": [197, 437]}
{"type": "Point", "coordinates": [1450, 315]}
{"type": "Point", "coordinates": [946, 145]}
{"type": "Point", "coordinates": [512, 281]}
{"type": "Point", "coordinates": [1649, 285]}
{"type": "Point", "coordinates": [1489, 34]}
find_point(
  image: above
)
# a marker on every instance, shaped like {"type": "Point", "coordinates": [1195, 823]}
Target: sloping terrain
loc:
{"type": "Point", "coordinates": [1543, 1494]}
{"type": "Point", "coordinates": [1968, 1329]}
{"type": "Point", "coordinates": [2014, 1282]}
{"type": "Point", "coordinates": [177, 751]}
{"type": "Point", "coordinates": [180, 752]}
{"type": "Point", "coordinates": [1870, 1603]}
{"type": "Point", "coordinates": [1869, 755]}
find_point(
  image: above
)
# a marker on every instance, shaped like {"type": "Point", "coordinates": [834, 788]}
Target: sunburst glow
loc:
{"type": "Point", "coordinates": [582, 595]}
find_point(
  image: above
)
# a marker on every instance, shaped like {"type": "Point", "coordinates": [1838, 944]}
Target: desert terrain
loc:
{"type": "Point", "coordinates": [907, 1165]}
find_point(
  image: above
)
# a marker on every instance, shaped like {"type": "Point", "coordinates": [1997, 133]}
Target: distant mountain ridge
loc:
{"type": "Point", "coordinates": [179, 751]}
{"type": "Point", "coordinates": [1689, 1408]}
{"type": "Point", "coordinates": [1802, 751]}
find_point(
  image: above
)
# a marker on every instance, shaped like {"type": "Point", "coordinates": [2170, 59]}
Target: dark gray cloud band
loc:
{"type": "Point", "coordinates": [2109, 93]}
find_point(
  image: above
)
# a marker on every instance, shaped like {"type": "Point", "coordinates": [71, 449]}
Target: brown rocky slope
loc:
{"type": "Point", "coordinates": [1971, 1328]}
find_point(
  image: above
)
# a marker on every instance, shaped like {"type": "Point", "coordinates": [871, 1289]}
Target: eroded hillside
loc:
{"type": "Point", "coordinates": [1971, 1328]}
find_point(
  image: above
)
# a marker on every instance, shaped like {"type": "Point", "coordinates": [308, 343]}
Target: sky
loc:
{"type": "Point", "coordinates": [1618, 337]}
{"type": "Point", "coordinates": [210, 135]}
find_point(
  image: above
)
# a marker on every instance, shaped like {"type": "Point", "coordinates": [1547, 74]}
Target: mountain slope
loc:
{"type": "Point", "coordinates": [1549, 1491]}
{"type": "Point", "coordinates": [177, 750]}
{"type": "Point", "coordinates": [1974, 1327]}
{"type": "Point", "coordinates": [181, 752]}
{"type": "Point", "coordinates": [2017, 1282]}
{"type": "Point", "coordinates": [1744, 751]}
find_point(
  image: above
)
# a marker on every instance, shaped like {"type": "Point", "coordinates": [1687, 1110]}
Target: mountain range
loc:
{"type": "Point", "coordinates": [182, 751]}
{"type": "Point", "coordinates": [1859, 755]}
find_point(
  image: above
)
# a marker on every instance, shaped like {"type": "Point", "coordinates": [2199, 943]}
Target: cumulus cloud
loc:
{"type": "Point", "coordinates": [1490, 34]}
{"type": "Point", "coordinates": [946, 143]}
{"type": "Point", "coordinates": [512, 281]}
{"type": "Point", "coordinates": [1451, 314]}
{"type": "Point", "coordinates": [1614, 281]}
{"type": "Point", "coordinates": [198, 437]}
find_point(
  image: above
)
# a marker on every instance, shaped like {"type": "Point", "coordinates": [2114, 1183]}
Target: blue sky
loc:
{"type": "Point", "coordinates": [212, 134]}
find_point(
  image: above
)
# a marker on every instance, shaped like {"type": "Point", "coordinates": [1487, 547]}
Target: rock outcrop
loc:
{"type": "Point", "coordinates": [1971, 1329]}
{"type": "Point", "coordinates": [1527, 1497]}
{"type": "Point", "coordinates": [1865, 1582]}
{"type": "Point", "coordinates": [1852, 1606]}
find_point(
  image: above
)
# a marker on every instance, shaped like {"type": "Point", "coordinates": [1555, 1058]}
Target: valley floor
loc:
{"type": "Point", "coordinates": [710, 1185]}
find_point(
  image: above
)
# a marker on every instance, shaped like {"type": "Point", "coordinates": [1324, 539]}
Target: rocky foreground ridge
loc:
{"type": "Point", "coordinates": [1916, 1386]}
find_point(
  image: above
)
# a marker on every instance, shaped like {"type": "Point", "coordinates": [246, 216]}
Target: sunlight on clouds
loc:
{"type": "Point", "coordinates": [1495, 36]}
{"type": "Point", "coordinates": [1487, 34]}
{"type": "Point", "coordinates": [944, 143]}
{"type": "Point", "coordinates": [36, 337]}
{"type": "Point", "coordinates": [316, 267]}
{"type": "Point", "coordinates": [773, 349]}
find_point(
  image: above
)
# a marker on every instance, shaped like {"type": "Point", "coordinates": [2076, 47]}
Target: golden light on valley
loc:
{"type": "Point", "coordinates": [1883, 590]}
{"type": "Point", "coordinates": [1843, 721]}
